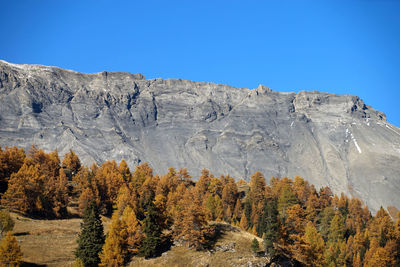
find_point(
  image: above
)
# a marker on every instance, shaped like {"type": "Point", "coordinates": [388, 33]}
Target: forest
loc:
{"type": "Point", "coordinates": [150, 212]}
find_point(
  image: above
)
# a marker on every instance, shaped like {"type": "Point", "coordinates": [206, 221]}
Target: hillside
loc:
{"type": "Point", "coordinates": [52, 242]}
{"type": "Point", "coordinates": [153, 220]}
{"type": "Point", "coordinates": [334, 140]}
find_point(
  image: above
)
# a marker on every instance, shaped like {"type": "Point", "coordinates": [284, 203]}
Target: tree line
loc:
{"type": "Point", "coordinates": [148, 211]}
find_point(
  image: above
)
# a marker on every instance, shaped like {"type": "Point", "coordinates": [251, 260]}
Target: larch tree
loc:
{"type": "Point", "coordinates": [397, 238]}
{"type": "Point", "coordinates": [357, 262]}
{"type": "Point", "coordinates": [325, 197]}
{"type": "Point", "coordinates": [184, 177]}
{"type": "Point", "coordinates": [124, 171]}
{"type": "Point", "coordinates": [204, 182]}
{"type": "Point", "coordinates": [114, 252]}
{"type": "Point", "coordinates": [10, 251]}
{"type": "Point", "coordinates": [237, 213]}
{"type": "Point", "coordinates": [6, 222]}
{"type": "Point", "coordinates": [215, 187]}
{"type": "Point", "coordinates": [337, 228]}
{"type": "Point", "coordinates": [191, 226]}
{"type": "Point", "coordinates": [244, 224]}
{"type": "Point", "coordinates": [214, 205]}
{"type": "Point", "coordinates": [296, 220]}
{"type": "Point", "coordinates": [229, 194]}
{"type": "Point", "coordinates": [381, 227]}
{"type": "Point", "coordinates": [24, 190]}
{"type": "Point", "coordinates": [325, 218]}
{"type": "Point", "coordinates": [356, 217]}
{"type": "Point", "coordinates": [302, 189]}
{"type": "Point", "coordinates": [310, 248]}
{"type": "Point", "coordinates": [286, 199]}
{"type": "Point", "coordinates": [11, 160]}
{"type": "Point", "coordinates": [71, 163]}
{"type": "Point", "coordinates": [174, 204]}
{"type": "Point", "coordinates": [257, 188]}
{"type": "Point", "coordinates": [126, 198]}
{"type": "Point", "coordinates": [57, 193]}
{"type": "Point", "coordinates": [141, 173]}
{"type": "Point", "coordinates": [134, 235]}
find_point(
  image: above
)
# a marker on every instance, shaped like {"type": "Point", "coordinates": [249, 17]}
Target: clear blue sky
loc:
{"type": "Point", "coordinates": [346, 47]}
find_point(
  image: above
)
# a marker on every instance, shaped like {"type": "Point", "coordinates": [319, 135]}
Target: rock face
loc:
{"type": "Point", "coordinates": [328, 139]}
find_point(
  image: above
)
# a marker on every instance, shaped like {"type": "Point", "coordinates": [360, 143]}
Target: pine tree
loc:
{"type": "Point", "coordinates": [255, 246]}
{"type": "Point", "coordinates": [91, 238]}
{"type": "Point", "coordinates": [248, 211]}
{"type": "Point", "coordinates": [270, 226]}
{"type": "Point", "coordinates": [10, 252]}
{"type": "Point", "coordinates": [152, 231]}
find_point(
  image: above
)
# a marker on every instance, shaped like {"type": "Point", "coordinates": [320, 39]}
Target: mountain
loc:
{"type": "Point", "coordinates": [328, 139]}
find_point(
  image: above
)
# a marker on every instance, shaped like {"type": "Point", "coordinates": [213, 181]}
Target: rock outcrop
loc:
{"type": "Point", "coordinates": [328, 139]}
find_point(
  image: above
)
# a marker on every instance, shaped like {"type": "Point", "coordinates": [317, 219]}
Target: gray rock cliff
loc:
{"type": "Point", "coordinates": [328, 139]}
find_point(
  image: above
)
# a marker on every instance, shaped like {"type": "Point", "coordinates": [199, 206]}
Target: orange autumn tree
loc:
{"type": "Point", "coordinates": [309, 249]}
{"type": "Point", "coordinates": [71, 163]}
{"type": "Point", "coordinates": [114, 252]}
{"type": "Point", "coordinates": [11, 160]}
{"type": "Point", "coordinates": [190, 226]}
{"type": "Point", "coordinates": [174, 205]}
{"type": "Point", "coordinates": [38, 188]}
{"type": "Point", "coordinates": [10, 251]}
{"type": "Point", "coordinates": [229, 198]}
{"type": "Point", "coordinates": [125, 172]}
{"type": "Point", "coordinates": [134, 231]}
{"type": "Point", "coordinates": [57, 193]}
{"type": "Point", "coordinates": [23, 191]}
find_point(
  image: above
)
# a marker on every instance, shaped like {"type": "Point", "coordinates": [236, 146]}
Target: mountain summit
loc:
{"type": "Point", "coordinates": [328, 139]}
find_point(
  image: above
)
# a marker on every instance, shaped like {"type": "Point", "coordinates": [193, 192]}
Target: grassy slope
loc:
{"type": "Point", "coordinates": [182, 256]}
{"type": "Point", "coordinates": [47, 242]}
{"type": "Point", "coordinates": [52, 242]}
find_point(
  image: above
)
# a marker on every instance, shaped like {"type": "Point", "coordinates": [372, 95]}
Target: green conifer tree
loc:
{"type": "Point", "coordinates": [91, 238]}
{"type": "Point", "coordinates": [255, 246]}
{"type": "Point", "coordinates": [151, 242]}
{"type": "Point", "coordinates": [270, 225]}
{"type": "Point", "coordinates": [247, 211]}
